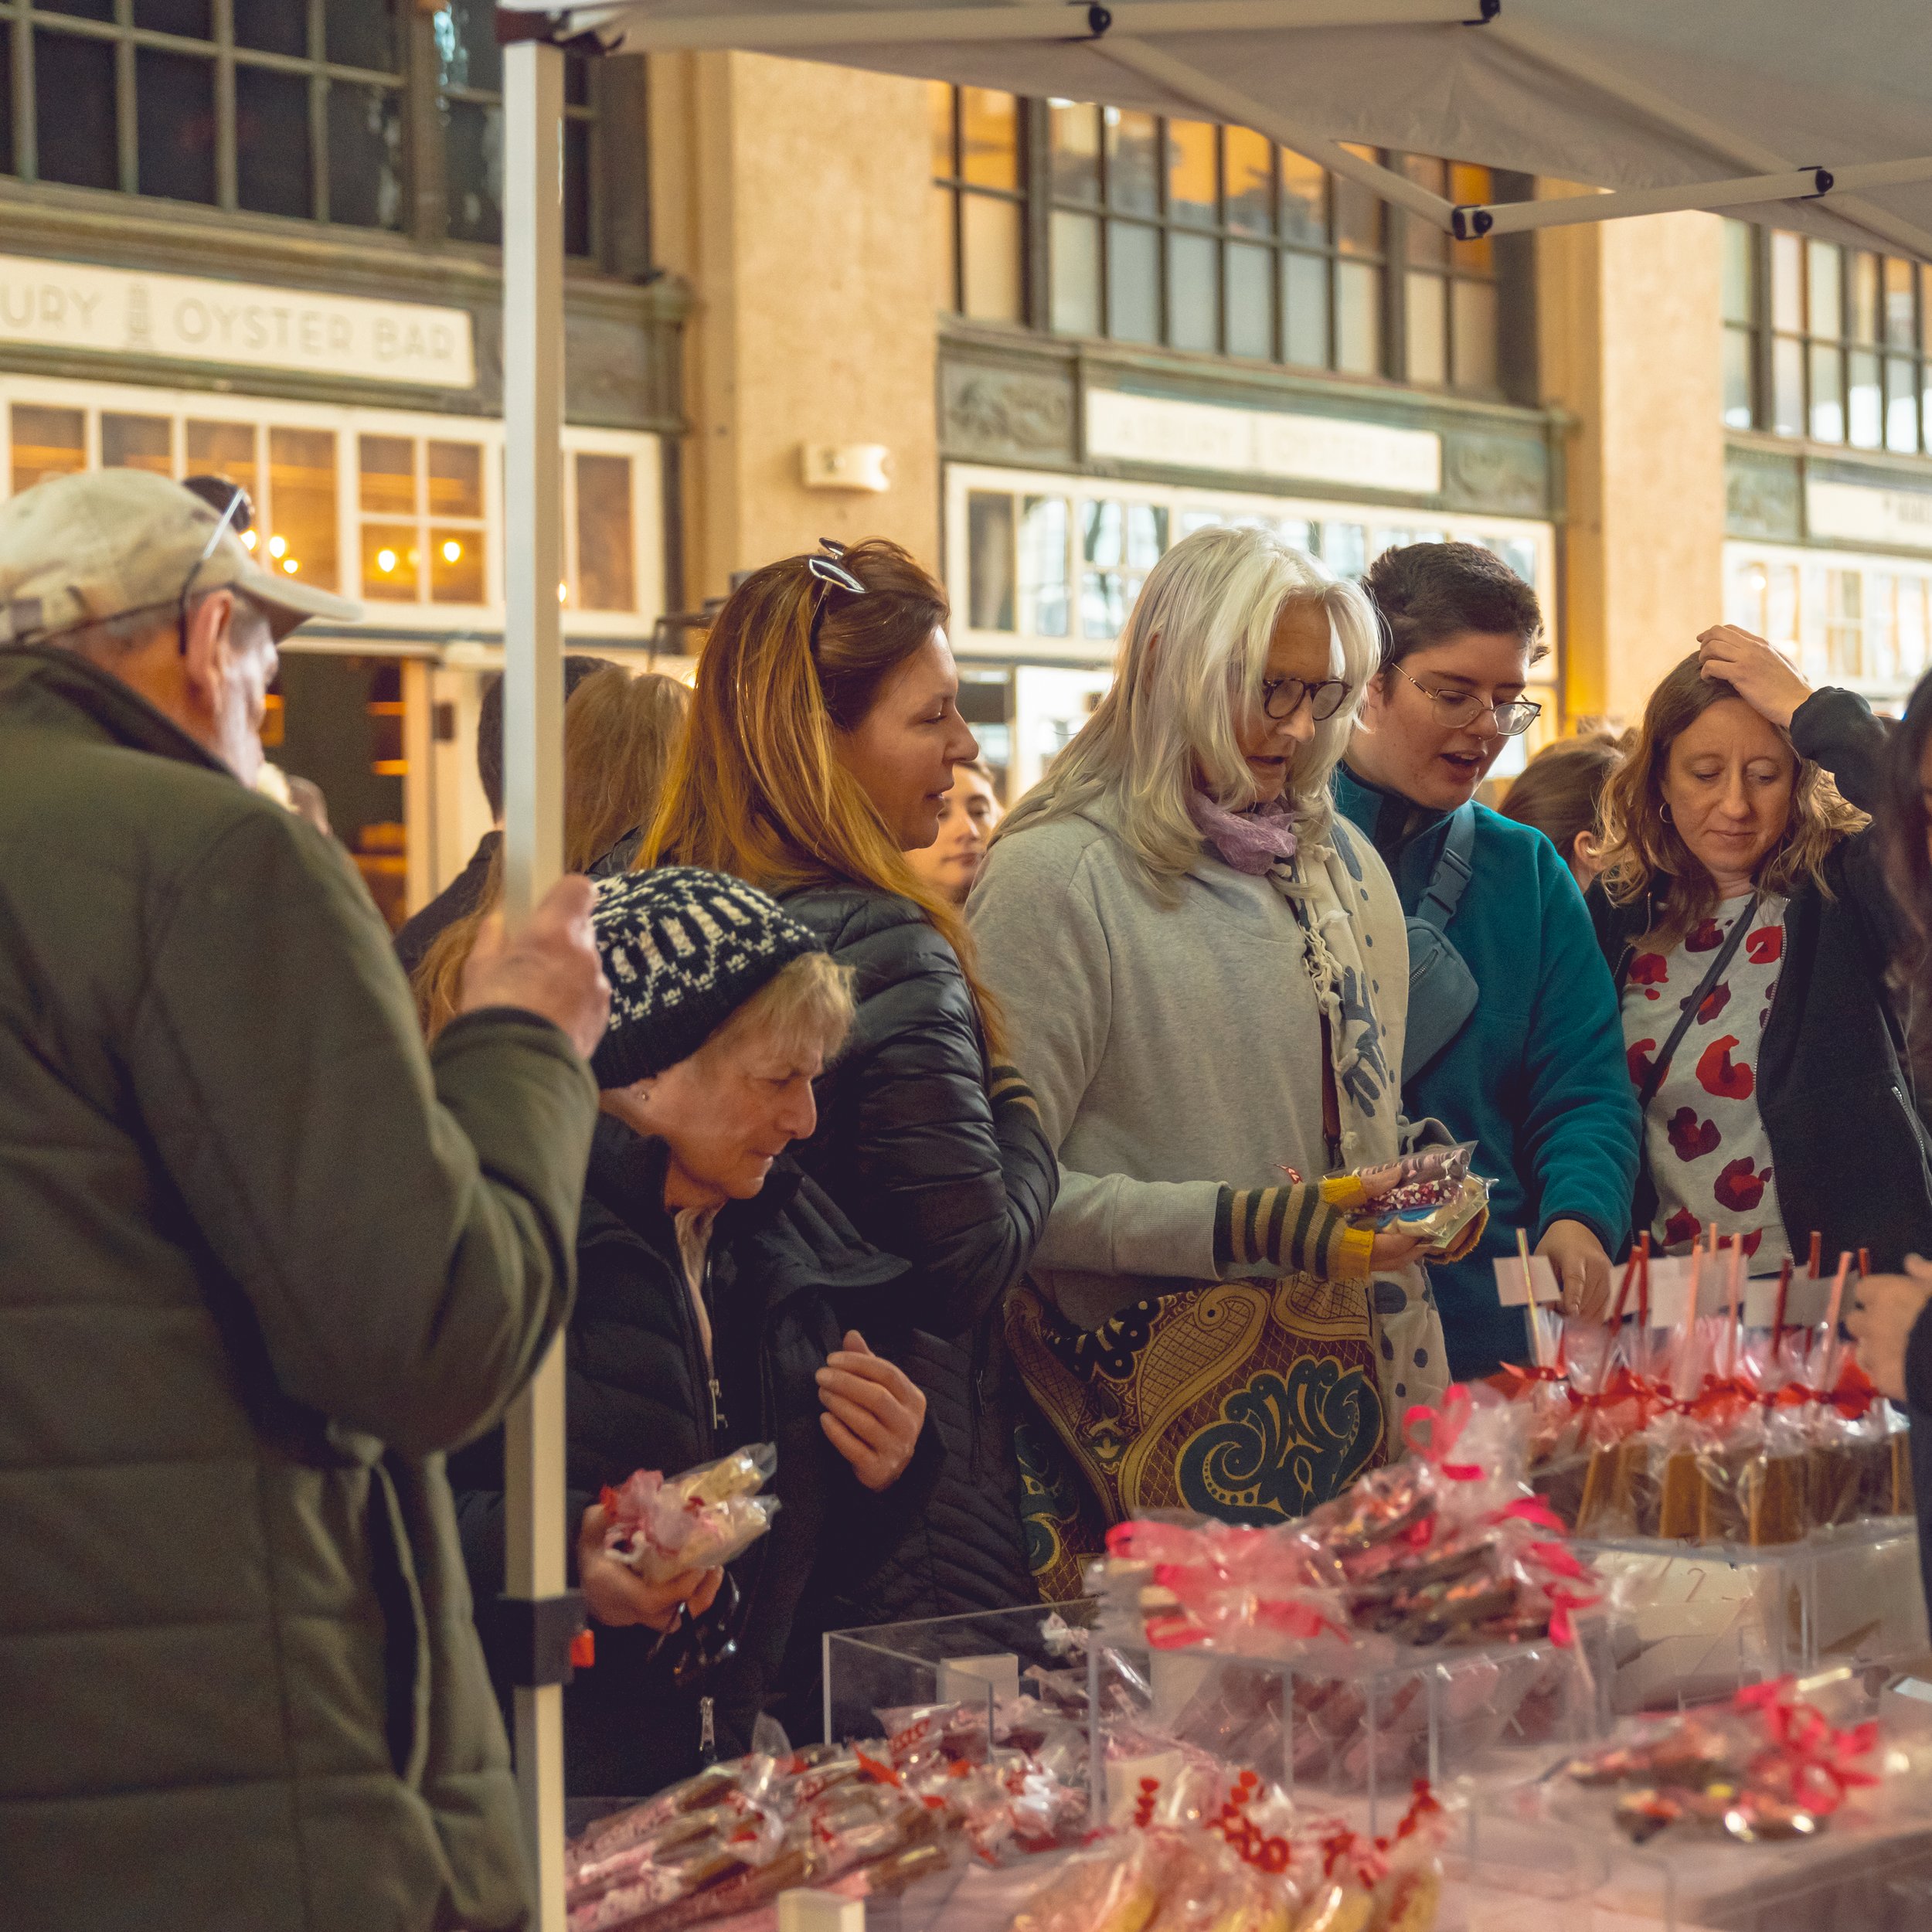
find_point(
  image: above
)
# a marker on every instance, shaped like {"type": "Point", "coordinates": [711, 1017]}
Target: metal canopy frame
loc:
{"type": "Point", "coordinates": [532, 372]}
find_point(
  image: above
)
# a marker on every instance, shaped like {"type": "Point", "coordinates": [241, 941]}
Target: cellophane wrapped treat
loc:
{"type": "Point", "coordinates": [1434, 1195]}
{"type": "Point", "coordinates": [873, 1816]}
{"type": "Point", "coordinates": [661, 1526]}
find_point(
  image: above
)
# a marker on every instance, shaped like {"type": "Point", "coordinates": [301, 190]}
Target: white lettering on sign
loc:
{"type": "Point", "coordinates": [114, 311]}
{"type": "Point", "coordinates": [1859, 513]}
{"type": "Point", "coordinates": [1210, 435]}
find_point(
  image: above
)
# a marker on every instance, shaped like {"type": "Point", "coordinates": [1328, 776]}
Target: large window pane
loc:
{"type": "Point", "coordinates": [1304, 200]}
{"type": "Point", "coordinates": [385, 474]}
{"type": "Point", "coordinates": [1044, 599]}
{"type": "Point", "coordinates": [81, 9]}
{"type": "Point", "coordinates": [365, 160]}
{"type": "Point", "coordinates": [467, 52]}
{"type": "Point", "coordinates": [1133, 282]}
{"type": "Point", "coordinates": [1428, 328]}
{"type": "Point", "coordinates": [1828, 393]}
{"type": "Point", "coordinates": [1250, 180]}
{"type": "Point", "coordinates": [1787, 387]}
{"type": "Point", "coordinates": [1823, 303]}
{"type": "Point", "coordinates": [1739, 273]}
{"type": "Point", "coordinates": [455, 475]}
{"type": "Point", "coordinates": [1865, 297]}
{"type": "Point", "coordinates": [1250, 306]}
{"type": "Point", "coordinates": [607, 571]}
{"type": "Point", "coordinates": [302, 502]}
{"type": "Point", "coordinates": [1473, 334]}
{"type": "Point", "coordinates": [1191, 172]}
{"type": "Point", "coordinates": [457, 565]}
{"type": "Point", "coordinates": [225, 450]}
{"type": "Point", "coordinates": [175, 124]}
{"type": "Point", "coordinates": [1133, 160]}
{"type": "Point", "coordinates": [46, 442]}
{"type": "Point", "coordinates": [1428, 245]}
{"type": "Point", "coordinates": [1193, 318]}
{"type": "Point", "coordinates": [136, 443]}
{"type": "Point", "coordinates": [988, 137]}
{"type": "Point", "coordinates": [1738, 411]}
{"type": "Point", "coordinates": [1357, 304]}
{"type": "Point", "coordinates": [1787, 282]}
{"type": "Point", "coordinates": [475, 147]}
{"type": "Point", "coordinates": [1899, 278]}
{"type": "Point", "coordinates": [363, 33]}
{"type": "Point", "coordinates": [990, 244]}
{"type": "Point", "coordinates": [390, 561]}
{"type": "Point", "coordinates": [1073, 242]}
{"type": "Point", "coordinates": [1304, 310]}
{"type": "Point", "coordinates": [1073, 137]}
{"type": "Point", "coordinates": [192, 19]}
{"type": "Point", "coordinates": [1901, 404]}
{"type": "Point", "coordinates": [989, 560]}
{"type": "Point", "coordinates": [74, 82]}
{"type": "Point", "coordinates": [1864, 410]}
{"type": "Point", "coordinates": [1358, 225]}
{"type": "Point", "coordinates": [274, 167]}
{"type": "Point", "coordinates": [275, 26]}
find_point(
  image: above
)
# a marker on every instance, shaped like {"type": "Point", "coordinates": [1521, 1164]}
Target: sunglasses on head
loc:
{"type": "Point", "coordinates": [830, 574]}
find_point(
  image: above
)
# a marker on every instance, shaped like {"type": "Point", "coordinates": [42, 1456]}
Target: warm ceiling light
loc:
{"type": "Point", "coordinates": [278, 546]}
{"type": "Point", "coordinates": [386, 561]}
{"type": "Point", "coordinates": [563, 594]}
{"type": "Point", "coordinates": [289, 565]}
{"type": "Point", "coordinates": [452, 551]}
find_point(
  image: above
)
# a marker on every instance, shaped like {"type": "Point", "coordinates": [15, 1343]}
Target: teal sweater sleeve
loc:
{"type": "Point", "coordinates": [1578, 1132]}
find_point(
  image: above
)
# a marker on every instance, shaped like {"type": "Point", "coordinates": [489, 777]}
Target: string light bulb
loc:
{"type": "Point", "coordinates": [452, 551]}
{"type": "Point", "coordinates": [386, 561]}
{"type": "Point", "coordinates": [278, 546]}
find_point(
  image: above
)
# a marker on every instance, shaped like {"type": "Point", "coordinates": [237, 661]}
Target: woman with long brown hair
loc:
{"type": "Point", "coordinates": [619, 732]}
{"type": "Point", "coordinates": [1744, 913]}
{"type": "Point", "coordinates": [824, 732]}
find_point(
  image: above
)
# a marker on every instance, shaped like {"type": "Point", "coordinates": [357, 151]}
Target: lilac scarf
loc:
{"type": "Point", "coordinates": [1250, 841]}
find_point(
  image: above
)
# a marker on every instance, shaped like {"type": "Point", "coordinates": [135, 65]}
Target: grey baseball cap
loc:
{"type": "Point", "coordinates": [79, 549]}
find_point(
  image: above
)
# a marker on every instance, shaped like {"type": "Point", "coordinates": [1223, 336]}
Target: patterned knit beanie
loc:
{"type": "Point", "coordinates": [683, 949]}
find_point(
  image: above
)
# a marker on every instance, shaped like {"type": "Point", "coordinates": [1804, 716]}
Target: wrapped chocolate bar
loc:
{"type": "Point", "coordinates": [1431, 1194]}
{"type": "Point", "coordinates": [706, 1517]}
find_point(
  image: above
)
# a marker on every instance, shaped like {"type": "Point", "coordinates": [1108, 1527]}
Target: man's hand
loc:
{"type": "Point", "coordinates": [874, 1412]}
{"type": "Point", "coordinates": [1884, 1311]}
{"type": "Point", "coordinates": [550, 969]}
{"type": "Point", "coordinates": [1761, 676]}
{"type": "Point", "coordinates": [1582, 1269]}
{"type": "Point", "coordinates": [617, 1595]}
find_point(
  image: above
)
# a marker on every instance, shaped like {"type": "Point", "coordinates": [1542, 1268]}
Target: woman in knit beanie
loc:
{"type": "Point", "coordinates": [720, 1300]}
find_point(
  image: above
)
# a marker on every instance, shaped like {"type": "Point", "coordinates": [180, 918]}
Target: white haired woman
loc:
{"type": "Point", "coordinates": [1205, 970]}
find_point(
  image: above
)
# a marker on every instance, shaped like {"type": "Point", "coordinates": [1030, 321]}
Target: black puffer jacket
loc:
{"type": "Point", "coordinates": [1850, 1152]}
{"type": "Point", "coordinates": [780, 1271]}
{"type": "Point", "coordinates": [929, 1167]}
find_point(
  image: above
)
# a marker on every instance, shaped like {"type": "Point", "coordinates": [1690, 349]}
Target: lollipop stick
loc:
{"type": "Point", "coordinates": [1529, 1300]}
{"type": "Point", "coordinates": [1831, 1319]}
{"type": "Point", "coordinates": [1817, 1254]}
{"type": "Point", "coordinates": [1736, 1298]}
{"type": "Point", "coordinates": [1778, 1319]}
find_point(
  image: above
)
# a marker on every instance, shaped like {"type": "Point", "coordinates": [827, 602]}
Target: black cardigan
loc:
{"type": "Point", "coordinates": [784, 1275]}
{"type": "Point", "coordinates": [1851, 1154]}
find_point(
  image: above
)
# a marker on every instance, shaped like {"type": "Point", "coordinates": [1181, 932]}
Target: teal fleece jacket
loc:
{"type": "Point", "coordinates": [1536, 1076]}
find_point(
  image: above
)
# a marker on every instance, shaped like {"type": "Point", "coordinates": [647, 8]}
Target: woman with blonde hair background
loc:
{"type": "Point", "coordinates": [1743, 910]}
{"type": "Point", "coordinates": [824, 732]}
{"type": "Point", "coordinates": [619, 732]}
{"type": "Point", "coordinates": [1206, 969]}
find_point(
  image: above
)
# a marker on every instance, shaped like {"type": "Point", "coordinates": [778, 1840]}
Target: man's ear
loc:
{"type": "Point", "coordinates": [207, 642]}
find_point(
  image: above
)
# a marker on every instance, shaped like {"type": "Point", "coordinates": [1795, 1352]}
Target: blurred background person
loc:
{"type": "Point", "coordinates": [1559, 792]}
{"type": "Point", "coordinates": [968, 814]}
{"type": "Point", "coordinates": [715, 1284]}
{"type": "Point", "coordinates": [824, 733]}
{"type": "Point", "coordinates": [1206, 971]}
{"type": "Point", "coordinates": [1526, 1061]}
{"type": "Point", "coordinates": [465, 891]}
{"type": "Point", "coordinates": [619, 732]}
{"type": "Point", "coordinates": [1744, 911]}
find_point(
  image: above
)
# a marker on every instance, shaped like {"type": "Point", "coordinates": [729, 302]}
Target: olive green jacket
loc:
{"type": "Point", "coordinates": [262, 1260]}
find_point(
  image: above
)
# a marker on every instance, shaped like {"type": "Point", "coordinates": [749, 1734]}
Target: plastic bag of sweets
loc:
{"type": "Point", "coordinates": [703, 1519]}
{"type": "Point", "coordinates": [1431, 1193]}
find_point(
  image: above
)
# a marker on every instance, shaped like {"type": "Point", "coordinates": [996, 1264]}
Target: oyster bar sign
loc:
{"type": "Point", "coordinates": [114, 311]}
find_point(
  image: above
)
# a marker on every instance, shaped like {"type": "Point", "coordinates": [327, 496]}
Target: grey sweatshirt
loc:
{"type": "Point", "coordinates": [1174, 1048]}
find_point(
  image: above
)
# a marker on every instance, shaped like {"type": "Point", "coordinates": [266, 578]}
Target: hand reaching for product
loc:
{"type": "Point", "coordinates": [874, 1412]}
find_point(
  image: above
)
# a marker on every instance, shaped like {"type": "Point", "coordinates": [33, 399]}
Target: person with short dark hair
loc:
{"type": "Point", "coordinates": [1528, 1061]}
{"type": "Point", "coordinates": [464, 893]}
{"type": "Point", "coordinates": [1560, 793]}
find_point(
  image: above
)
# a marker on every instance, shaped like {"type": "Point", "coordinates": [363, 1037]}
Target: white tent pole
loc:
{"type": "Point", "coordinates": [1802, 184]}
{"type": "Point", "coordinates": [1229, 104]}
{"type": "Point", "coordinates": [1539, 45]}
{"type": "Point", "coordinates": [533, 827]}
{"type": "Point", "coordinates": [901, 26]}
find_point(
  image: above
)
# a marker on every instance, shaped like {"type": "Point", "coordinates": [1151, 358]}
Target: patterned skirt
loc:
{"type": "Point", "coordinates": [1250, 1401]}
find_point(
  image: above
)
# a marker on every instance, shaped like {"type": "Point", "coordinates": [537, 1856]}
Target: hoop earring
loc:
{"type": "Point", "coordinates": [1663, 812]}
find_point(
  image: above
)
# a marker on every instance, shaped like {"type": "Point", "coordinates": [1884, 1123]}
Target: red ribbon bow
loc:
{"type": "Point", "coordinates": [1445, 1428]}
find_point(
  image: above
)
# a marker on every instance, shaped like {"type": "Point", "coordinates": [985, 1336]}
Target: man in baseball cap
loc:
{"type": "Point", "coordinates": [263, 1259]}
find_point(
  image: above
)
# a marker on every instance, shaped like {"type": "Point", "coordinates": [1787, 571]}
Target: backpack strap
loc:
{"type": "Point", "coordinates": [1453, 871]}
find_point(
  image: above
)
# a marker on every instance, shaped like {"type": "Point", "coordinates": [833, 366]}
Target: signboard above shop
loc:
{"type": "Point", "coordinates": [121, 312]}
{"type": "Point", "coordinates": [1860, 513]}
{"type": "Point", "coordinates": [1176, 434]}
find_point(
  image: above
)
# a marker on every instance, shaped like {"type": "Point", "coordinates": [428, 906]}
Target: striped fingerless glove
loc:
{"type": "Point", "coordinates": [1301, 1227]}
{"type": "Point", "coordinates": [1006, 1087]}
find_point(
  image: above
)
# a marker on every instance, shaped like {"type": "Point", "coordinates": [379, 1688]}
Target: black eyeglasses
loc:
{"type": "Point", "coordinates": [1456, 710]}
{"type": "Point", "coordinates": [1281, 697]}
{"type": "Point", "coordinates": [830, 575]}
{"type": "Point", "coordinates": [237, 514]}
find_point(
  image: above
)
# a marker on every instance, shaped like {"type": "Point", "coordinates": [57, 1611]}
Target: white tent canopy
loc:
{"type": "Point", "coordinates": [1817, 113]}
{"type": "Point", "coordinates": [1671, 103]}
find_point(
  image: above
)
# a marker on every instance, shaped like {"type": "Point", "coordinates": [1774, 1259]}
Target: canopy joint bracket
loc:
{"type": "Point", "coordinates": [1098, 19]}
{"type": "Point", "coordinates": [1490, 8]}
{"type": "Point", "coordinates": [1471, 223]}
{"type": "Point", "coordinates": [1826, 181]}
